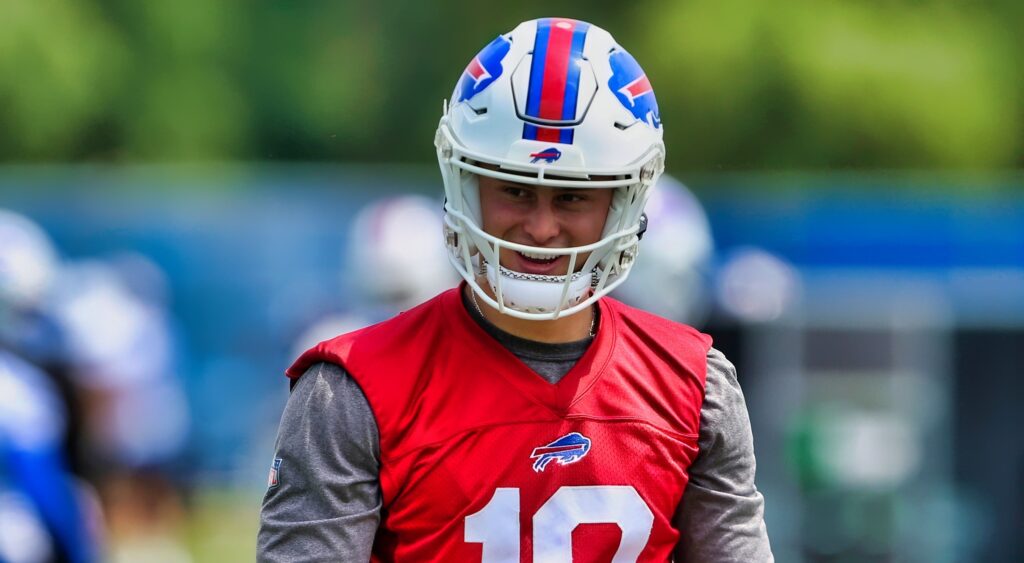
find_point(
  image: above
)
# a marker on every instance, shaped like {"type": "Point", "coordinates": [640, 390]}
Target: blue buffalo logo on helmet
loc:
{"type": "Point", "coordinates": [632, 88]}
{"type": "Point", "coordinates": [547, 155]}
{"type": "Point", "coordinates": [484, 69]}
{"type": "Point", "coordinates": [568, 449]}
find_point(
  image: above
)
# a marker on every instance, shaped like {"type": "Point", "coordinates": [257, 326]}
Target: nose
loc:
{"type": "Point", "coordinates": [542, 223]}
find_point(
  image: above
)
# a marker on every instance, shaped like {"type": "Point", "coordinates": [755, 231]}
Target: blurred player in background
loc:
{"type": "Point", "coordinates": [45, 512]}
{"type": "Point", "coordinates": [524, 411]}
{"type": "Point", "coordinates": [391, 264]}
{"type": "Point", "coordinates": [121, 353]}
{"type": "Point", "coordinates": [672, 275]}
{"type": "Point", "coordinates": [43, 515]}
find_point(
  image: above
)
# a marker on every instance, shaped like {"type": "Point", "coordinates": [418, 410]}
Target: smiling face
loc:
{"type": "Point", "coordinates": [542, 217]}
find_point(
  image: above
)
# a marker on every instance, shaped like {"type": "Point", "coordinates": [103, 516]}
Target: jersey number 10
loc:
{"type": "Point", "coordinates": [496, 525]}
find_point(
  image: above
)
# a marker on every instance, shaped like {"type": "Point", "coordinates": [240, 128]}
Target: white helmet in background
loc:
{"type": "Point", "coordinates": [113, 337]}
{"type": "Point", "coordinates": [556, 102]}
{"type": "Point", "coordinates": [395, 260]}
{"type": "Point", "coordinates": [28, 262]}
{"type": "Point", "coordinates": [121, 345]}
{"type": "Point", "coordinates": [670, 275]}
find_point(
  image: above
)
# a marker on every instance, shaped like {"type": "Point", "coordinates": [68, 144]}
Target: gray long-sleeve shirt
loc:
{"type": "Point", "coordinates": [326, 505]}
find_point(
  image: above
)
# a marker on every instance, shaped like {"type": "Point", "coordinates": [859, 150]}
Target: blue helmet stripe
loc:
{"type": "Point", "coordinates": [540, 56]}
{"type": "Point", "coordinates": [572, 83]}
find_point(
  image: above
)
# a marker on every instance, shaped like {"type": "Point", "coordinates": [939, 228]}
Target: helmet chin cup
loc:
{"type": "Point", "coordinates": [538, 294]}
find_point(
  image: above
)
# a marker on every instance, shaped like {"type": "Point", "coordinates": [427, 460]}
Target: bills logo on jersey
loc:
{"type": "Point", "coordinates": [568, 449]}
{"type": "Point", "coordinates": [632, 88]}
{"type": "Point", "coordinates": [484, 69]}
{"type": "Point", "coordinates": [274, 479]}
{"type": "Point", "coordinates": [547, 155]}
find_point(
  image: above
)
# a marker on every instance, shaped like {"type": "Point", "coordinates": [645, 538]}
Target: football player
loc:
{"type": "Point", "coordinates": [672, 275]}
{"type": "Point", "coordinates": [135, 415]}
{"type": "Point", "coordinates": [524, 415]}
{"type": "Point", "coordinates": [389, 266]}
{"type": "Point", "coordinates": [46, 513]}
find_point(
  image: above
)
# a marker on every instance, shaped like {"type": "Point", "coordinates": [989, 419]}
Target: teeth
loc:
{"type": "Point", "coordinates": [538, 256]}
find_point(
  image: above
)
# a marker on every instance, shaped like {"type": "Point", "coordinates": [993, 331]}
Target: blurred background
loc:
{"type": "Point", "coordinates": [187, 186]}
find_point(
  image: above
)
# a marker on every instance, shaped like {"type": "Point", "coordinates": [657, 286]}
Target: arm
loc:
{"type": "Point", "coordinates": [326, 505]}
{"type": "Point", "coordinates": [32, 426]}
{"type": "Point", "coordinates": [42, 475]}
{"type": "Point", "coordinates": [722, 513]}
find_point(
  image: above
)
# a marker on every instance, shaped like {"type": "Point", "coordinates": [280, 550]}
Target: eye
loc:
{"type": "Point", "coordinates": [574, 196]}
{"type": "Point", "coordinates": [515, 192]}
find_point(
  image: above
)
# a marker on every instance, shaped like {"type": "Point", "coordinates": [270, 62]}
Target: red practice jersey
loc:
{"type": "Point", "coordinates": [483, 460]}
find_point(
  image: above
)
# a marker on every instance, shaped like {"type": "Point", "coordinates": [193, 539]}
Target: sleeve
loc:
{"type": "Point", "coordinates": [323, 502]}
{"type": "Point", "coordinates": [721, 517]}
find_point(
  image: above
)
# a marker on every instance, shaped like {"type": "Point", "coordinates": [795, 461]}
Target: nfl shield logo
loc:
{"type": "Point", "coordinates": [275, 473]}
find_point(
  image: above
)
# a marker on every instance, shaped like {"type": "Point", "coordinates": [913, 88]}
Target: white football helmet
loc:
{"type": "Point", "coordinates": [394, 260]}
{"type": "Point", "coordinates": [556, 102]}
{"type": "Point", "coordinates": [670, 277]}
{"type": "Point", "coordinates": [28, 262]}
{"type": "Point", "coordinates": [121, 347]}
{"type": "Point", "coordinates": [131, 344]}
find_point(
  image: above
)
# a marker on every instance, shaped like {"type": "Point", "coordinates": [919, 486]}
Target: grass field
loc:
{"type": "Point", "coordinates": [222, 526]}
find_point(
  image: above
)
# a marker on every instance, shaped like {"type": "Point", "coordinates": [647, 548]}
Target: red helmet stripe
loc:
{"type": "Point", "coordinates": [556, 69]}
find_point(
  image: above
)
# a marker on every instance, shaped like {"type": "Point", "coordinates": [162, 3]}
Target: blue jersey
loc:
{"type": "Point", "coordinates": [37, 493]}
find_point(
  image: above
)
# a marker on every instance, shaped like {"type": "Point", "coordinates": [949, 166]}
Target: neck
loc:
{"type": "Point", "coordinates": [553, 331]}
